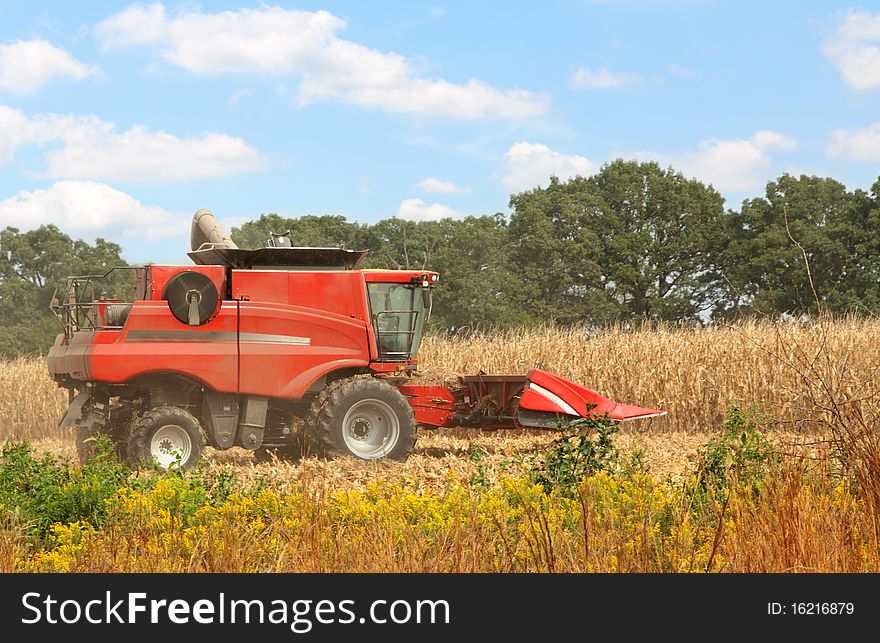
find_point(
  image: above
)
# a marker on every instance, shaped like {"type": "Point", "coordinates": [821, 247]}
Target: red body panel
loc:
{"type": "Point", "coordinates": [153, 341]}
{"type": "Point", "coordinates": [284, 349]}
{"type": "Point", "coordinates": [281, 332]}
{"type": "Point", "coordinates": [296, 327]}
{"type": "Point", "coordinates": [432, 404]}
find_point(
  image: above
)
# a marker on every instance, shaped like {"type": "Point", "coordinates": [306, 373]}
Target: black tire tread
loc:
{"type": "Point", "coordinates": [325, 411]}
{"type": "Point", "coordinates": [137, 447]}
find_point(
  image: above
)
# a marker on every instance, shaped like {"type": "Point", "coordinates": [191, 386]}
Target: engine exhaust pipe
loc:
{"type": "Point", "coordinates": [206, 232]}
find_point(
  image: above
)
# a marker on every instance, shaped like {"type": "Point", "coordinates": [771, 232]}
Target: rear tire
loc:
{"type": "Point", "coordinates": [362, 417]}
{"type": "Point", "coordinates": [168, 436]}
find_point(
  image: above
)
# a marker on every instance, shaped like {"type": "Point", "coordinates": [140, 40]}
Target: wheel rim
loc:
{"type": "Point", "coordinates": [370, 429]}
{"type": "Point", "coordinates": [170, 445]}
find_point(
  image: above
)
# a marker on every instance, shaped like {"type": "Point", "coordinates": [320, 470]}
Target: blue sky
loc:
{"type": "Point", "coordinates": [120, 120]}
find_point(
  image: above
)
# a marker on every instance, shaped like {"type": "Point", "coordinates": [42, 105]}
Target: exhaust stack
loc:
{"type": "Point", "coordinates": [207, 233]}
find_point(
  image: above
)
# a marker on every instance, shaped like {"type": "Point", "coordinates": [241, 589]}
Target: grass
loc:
{"type": "Point", "coordinates": [628, 521]}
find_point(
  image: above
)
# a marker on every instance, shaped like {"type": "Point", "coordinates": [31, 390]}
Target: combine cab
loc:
{"type": "Point", "coordinates": [280, 349]}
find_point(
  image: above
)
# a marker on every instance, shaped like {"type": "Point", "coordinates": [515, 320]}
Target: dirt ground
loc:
{"type": "Point", "coordinates": [450, 455]}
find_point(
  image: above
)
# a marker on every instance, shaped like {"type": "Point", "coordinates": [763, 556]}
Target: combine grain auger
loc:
{"type": "Point", "coordinates": [280, 349]}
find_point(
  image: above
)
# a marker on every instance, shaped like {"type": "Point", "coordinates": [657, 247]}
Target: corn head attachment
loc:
{"type": "Point", "coordinates": [538, 399]}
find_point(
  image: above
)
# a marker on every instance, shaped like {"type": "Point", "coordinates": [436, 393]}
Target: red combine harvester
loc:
{"type": "Point", "coordinates": [278, 349]}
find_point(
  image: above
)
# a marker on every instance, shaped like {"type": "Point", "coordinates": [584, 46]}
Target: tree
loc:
{"type": "Point", "coordinates": [399, 244]}
{"type": "Point", "coordinates": [555, 253]}
{"type": "Point", "coordinates": [328, 231]}
{"type": "Point", "coordinates": [634, 241]}
{"type": "Point", "coordinates": [477, 287]}
{"type": "Point", "coordinates": [662, 236]}
{"type": "Point", "coordinates": [32, 265]}
{"type": "Point", "coordinates": [471, 256]}
{"type": "Point", "coordinates": [803, 223]}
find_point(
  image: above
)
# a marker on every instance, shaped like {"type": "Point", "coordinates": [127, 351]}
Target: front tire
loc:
{"type": "Point", "coordinates": [362, 417]}
{"type": "Point", "coordinates": [168, 436]}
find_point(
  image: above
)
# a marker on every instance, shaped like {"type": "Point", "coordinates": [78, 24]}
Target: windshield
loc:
{"type": "Point", "coordinates": [399, 312]}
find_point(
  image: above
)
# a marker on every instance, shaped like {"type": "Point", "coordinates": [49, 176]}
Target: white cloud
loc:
{"type": "Point", "coordinates": [136, 25]}
{"type": "Point", "coordinates": [529, 165]}
{"type": "Point", "coordinates": [79, 207]}
{"type": "Point", "coordinates": [681, 71]}
{"type": "Point", "coordinates": [602, 79]}
{"type": "Point", "coordinates": [768, 140]}
{"type": "Point", "coordinates": [435, 185]}
{"type": "Point", "coordinates": [418, 210]}
{"type": "Point", "coordinates": [238, 95]}
{"type": "Point", "coordinates": [276, 42]}
{"type": "Point", "coordinates": [13, 132]}
{"type": "Point", "coordinates": [92, 149]}
{"type": "Point", "coordinates": [27, 65]}
{"type": "Point", "coordinates": [735, 165]}
{"type": "Point", "coordinates": [855, 144]}
{"type": "Point", "coordinates": [854, 49]}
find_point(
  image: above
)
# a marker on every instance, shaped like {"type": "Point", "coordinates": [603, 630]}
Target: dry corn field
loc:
{"type": "Point", "coordinates": [462, 488]}
{"type": "Point", "coordinates": [693, 373]}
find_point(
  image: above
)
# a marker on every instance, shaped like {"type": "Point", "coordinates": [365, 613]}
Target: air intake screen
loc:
{"type": "Point", "coordinates": [192, 297]}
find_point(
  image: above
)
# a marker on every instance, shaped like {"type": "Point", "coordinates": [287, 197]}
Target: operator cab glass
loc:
{"type": "Point", "coordinates": [399, 312]}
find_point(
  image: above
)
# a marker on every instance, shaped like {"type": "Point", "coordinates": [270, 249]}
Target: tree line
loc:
{"type": "Point", "coordinates": [633, 242]}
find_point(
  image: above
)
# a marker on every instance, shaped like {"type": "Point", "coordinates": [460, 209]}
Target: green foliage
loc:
{"type": "Point", "coordinates": [32, 265]}
{"type": "Point", "coordinates": [632, 242]}
{"type": "Point", "coordinates": [327, 231]}
{"type": "Point", "coordinates": [739, 454]}
{"type": "Point", "coordinates": [41, 492]}
{"type": "Point", "coordinates": [574, 455]}
{"type": "Point", "coordinates": [480, 477]}
{"type": "Point", "coordinates": [766, 270]}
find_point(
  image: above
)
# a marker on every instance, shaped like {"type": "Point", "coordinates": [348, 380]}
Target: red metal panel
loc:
{"type": "Point", "coordinates": [533, 401]}
{"type": "Point", "coordinates": [285, 348]}
{"type": "Point", "coordinates": [576, 398]}
{"type": "Point", "coordinates": [153, 341]}
{"type": "Point", "coordinates": [334, 291]}
{"type": "Point", "coordinates": [393, 367]}
{"type": "Point", "coordinates": [298, 326]}
{"type": "Point", "coordinates": [431, 404]}
{"type": "Point", "coordinates": [69, 358]}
